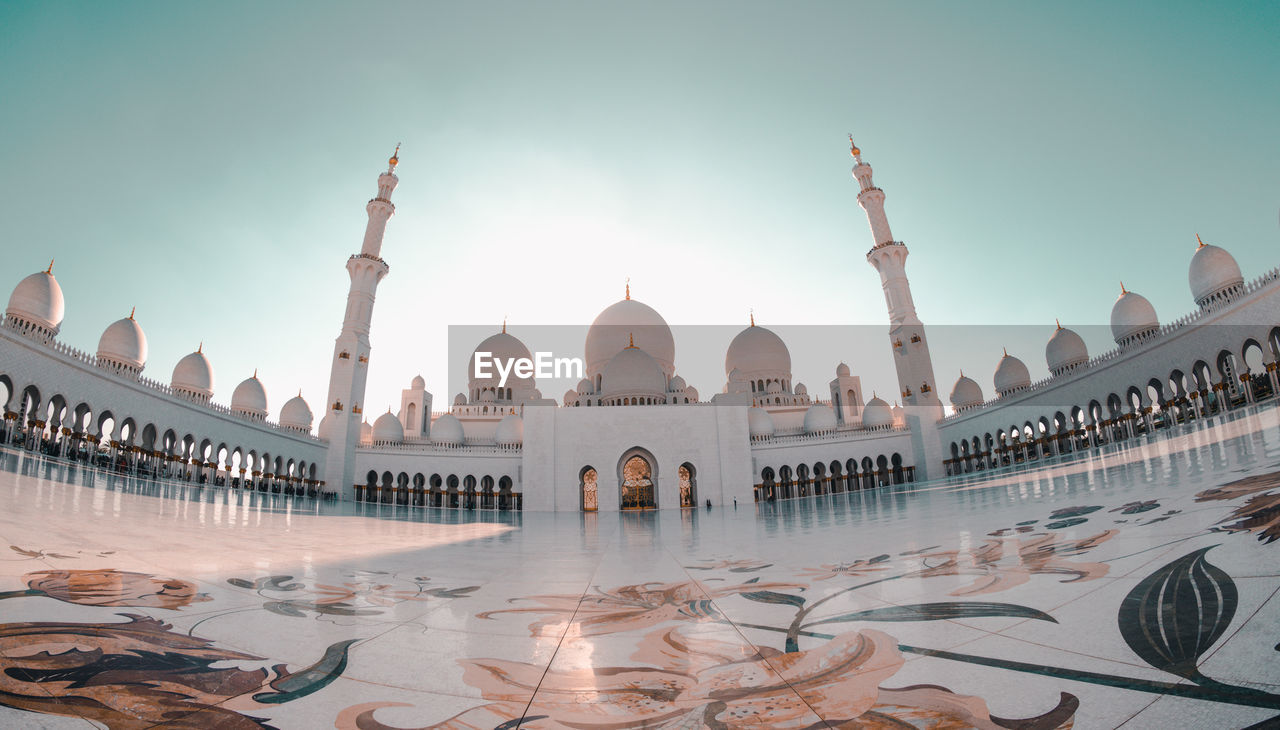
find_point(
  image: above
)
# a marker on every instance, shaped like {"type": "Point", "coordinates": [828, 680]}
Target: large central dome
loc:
{"type": "Point", "coordinates": [758, 352]}
{"type": "Point", "coordinates": [622, 323]}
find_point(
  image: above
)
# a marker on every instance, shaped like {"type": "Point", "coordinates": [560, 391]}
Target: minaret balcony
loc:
{"type": "Point", "coordinates": [886, 244]}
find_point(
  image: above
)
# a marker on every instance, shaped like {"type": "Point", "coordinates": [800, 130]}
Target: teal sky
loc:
{"type": "Point", "coordinates": [209, 163]}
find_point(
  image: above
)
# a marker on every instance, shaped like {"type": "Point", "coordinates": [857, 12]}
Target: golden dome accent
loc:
{"type": "Point", "coordinates": [395, 156]}
{"type": "Point", "coordinates": [1197, 241]}
{"type": "Point", "coordinates": [853, 148]}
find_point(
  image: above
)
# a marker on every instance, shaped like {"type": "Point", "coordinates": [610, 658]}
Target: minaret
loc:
{"type": "Point", "coordinates": [916, 383]}
{"type": "Point", "coordinates": [345, 405]}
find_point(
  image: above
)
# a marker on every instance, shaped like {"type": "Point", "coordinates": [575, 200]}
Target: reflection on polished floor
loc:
{"type": "Point", "coordinates": [1131, 587]}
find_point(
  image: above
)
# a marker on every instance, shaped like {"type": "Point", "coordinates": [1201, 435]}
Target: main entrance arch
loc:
{"type": "Point", "coordinates": [637, 477]}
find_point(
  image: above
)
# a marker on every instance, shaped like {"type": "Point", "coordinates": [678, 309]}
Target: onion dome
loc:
{"type": "Point", "coordinates": [585, 387]}
{"type": "Point", "coordinates": [460, 400]}
{"type": "Point", "coordinates": [1214, 275]}
{"type": "Point", "coordinates": [570, 396]}
{"type": "Point", "coordinates": [801, 389]}
{"type": "Point", "coordinates": [966, 393]}
{"type": "Point", "coordinates": [250, 398]}
{"type": "Point", "coordinates": [1011, 375]}
{"type": "Point", "coordinates": [123, 346]}
{"type": "Point", "coordinates": [1132, 318]}
{"type": "Point", "coordinates": [418, 383]}
{"type": "Point", "coordinates": [1065, 351]}
{"type": "Point", "coordinates": [819, 419]}
{"type": "Point", "coordinates": [876, 414]}
{"type": "Point", "coordinates": [691, 393]}
{"type": "Point", "coordinates": [501, 347]}
{"type": "Point", "coordinates": [296, 414]}
{"type": "Point", "coordinates": [627, 323]}
{"type": "Point", "coordinates": [758, 353]}
{"type": "Point", "coordinates": [773, 387]}
{"type": "Point", "coordinates": [677, 385]}
{"type": "Point", "coordinates": [487, 396]}
{"type": "Point", "coordinates": [36, 305]}
{"type": "Point", "coordinates": [633, 372]}
{"type": "Point", "coordinates": [510, 431]}
{"type": "Point", "coordinates": [193, 376]}
{"type": "Point", "coordinates": [387, 429]}
{"type": "Point", "coordinates": [842, 370]}
{"type": "Point", "coordinates": [759, 423]}
{"type": "Point", "coordinates": [447, 431]}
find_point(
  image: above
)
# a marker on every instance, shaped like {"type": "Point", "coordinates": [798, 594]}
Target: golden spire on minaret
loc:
{"type": "Point", "coordinates": [853, 148]}
{"type": "Point", "coordinates": [395, 157]}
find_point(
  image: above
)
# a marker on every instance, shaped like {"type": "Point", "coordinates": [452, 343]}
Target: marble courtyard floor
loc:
{"type": "Point", "coordinates": [1131, 587]}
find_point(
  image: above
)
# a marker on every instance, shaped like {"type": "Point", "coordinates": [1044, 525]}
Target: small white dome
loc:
{"type": "Point", "coordinates": [366, 431]}
{"type": "Point", "coordinates": [759, 423]}
{"type": "Point", "coordinates": [736, 376]}
{"type": "Point", "coordinates": [503, 347]}
{"type": "Point", "coordinates": [387, 429]}
{"type": "Point", "coordinates": [1213, 271]}
{"type": "Point", "coordinates": [691, 393]}
{"type": "Point", "coordinates": [842, 370]}
{"type": "Point", "coordinates": [819, 419]}
{"type": "Point", "coordinates": [633, 372]}
{"type": "Point", "coordinates": [37, 300]}
{"type": "Point", "coordinates": [487, 396]}
{"type": "Point", "coordinates": [801, 389]}
{"type": "Point", "coordinates": [1011, 375]}
{"type": "Point", "coordinates": [322, 430]}
{"type": "Point", "coordinates": [676, 385]}
{"type": "Point", "coordinates": [966, 393]}
{"type": "Point", "coordinates": [250, 398]}
{"type": "Point", "coordinates": [447, 430]}
{"type": "Point", "coordinates": [625, 323]}
{"type": "Point", "coordinates": [1065, 350]}
{"type": "Point", "coordinates": [460, 400]}
{"type": "Point", "coordinates": [295, 413]}
{"type": "Point", "coordinates": [773, 387]}
{"type": "Point", "coordinates": [193, 374]}
{"type": "Point", "coordinates": [535, 394]}
{"type": "Point", "coordinates": [124, 343]}
{"type": "Point", "coordinates": [570, 396]}
{"type": "Point", "coordinates": [418, 383]}
{"type": "Point", "coordinates": [1132, 316]}
{"type": "Point", "coordinates": [584, 386]}
{"type": "Point", "coordinates": [876, 414]}
{"type": "Point", "coordinates": [510, 431]}
{"type": "Point", "coordinates": [758, 351]}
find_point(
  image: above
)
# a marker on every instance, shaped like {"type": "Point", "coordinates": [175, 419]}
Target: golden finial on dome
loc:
{"type": "Point", "coordinates": [201, 347]}
{"type": "Point", "coordinates": [1057, 322]}
{"type": "Point", "coordinates": [395, 156]}
{"type": "Point", "coordinates": [1197, 241]}
{"type": "Point", "coordinates": [1122, 289]}
{"type": "Point", "coordinates": [628, 288]}
{"type": "Point", "coordinates": [504, 325]}
{"type": "Point", "coordinates": [132, 311]}
{"type": "Point", "coordinates": [1006, 351]}
{"type": "Point", "coordinates": [50, 269]}
{"type": "Point", "coordinates": [853, 148]}
{"type": "Point", "coordinates": [255, 373]}
{"type": "Point", "coordinates": [753, 317]}
{"type": "Point", "coordinates": [631, 341]}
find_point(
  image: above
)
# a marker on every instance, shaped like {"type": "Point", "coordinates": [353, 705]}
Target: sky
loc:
{"type": "Point", "coordinates": [209, 164]}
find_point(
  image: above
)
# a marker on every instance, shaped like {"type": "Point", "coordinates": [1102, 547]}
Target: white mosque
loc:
{"type": "Point", "coordinates": [761, 437]}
